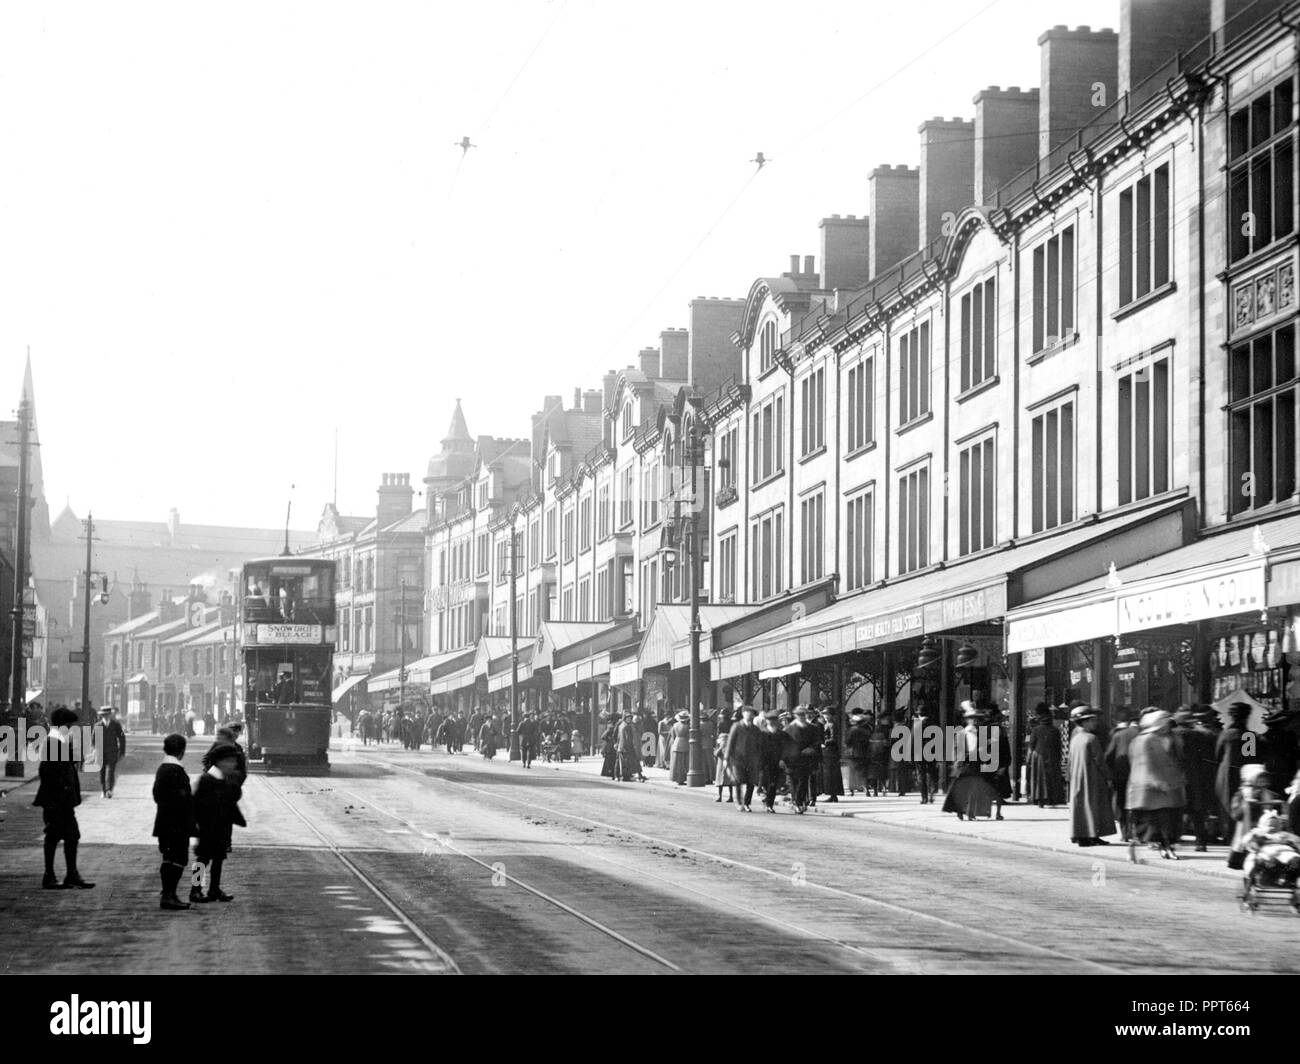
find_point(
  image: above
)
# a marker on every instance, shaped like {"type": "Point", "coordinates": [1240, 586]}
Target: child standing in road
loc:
{"type": "Point", "coordinates": [216, 811]}
{"type": "Point", "coordinates": [174, 822]}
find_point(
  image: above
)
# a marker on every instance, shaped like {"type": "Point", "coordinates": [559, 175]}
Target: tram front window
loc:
{"type": "Point", "coordinates": [289, 593]}
{"type": "Point", "coordinates": [288, 677]}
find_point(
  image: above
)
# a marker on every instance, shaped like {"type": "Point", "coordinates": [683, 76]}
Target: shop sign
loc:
{"type": "Point", "coordinates": [445, 595]}
{"type": "Point", "coordinates": [969, 608]}
{"type": "Point", "coordinates": [891, 626]}
{"type": "Point", "coordinates": [1239, 591]}
{"type": "Point", "coordinates": [1034, 659]}
{"type": "Point", "coordinates": [1284, 584]}
{"type": "Point", "coordinates": [286, 634]}
{"type": "Point", "coordinates": [1072, 624]}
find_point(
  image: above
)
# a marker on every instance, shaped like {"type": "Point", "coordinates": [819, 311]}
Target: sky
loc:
{"type": "Point", "coordinates": [230, 232]}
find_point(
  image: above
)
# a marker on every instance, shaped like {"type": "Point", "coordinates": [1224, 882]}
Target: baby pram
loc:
{"type": "Point", "coordinates": [548, 747]}
{"type": "Point", "coordinates": [1271, 868]}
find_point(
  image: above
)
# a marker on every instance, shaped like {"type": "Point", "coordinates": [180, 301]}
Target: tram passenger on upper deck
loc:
{"type": "Point", "coordinates": [285, 607]}
{"type": "Point", "coordinates": [256, 603]}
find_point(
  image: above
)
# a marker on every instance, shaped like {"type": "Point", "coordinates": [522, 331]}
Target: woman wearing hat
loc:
{"type": "Point", "coordinates": [972, 794]}
{"type": "Point", "coordinates": [679, 743]}
{"type": "Point", "coordinates": [1091, 816]}
{"type": "Point", "coordinates": [743, 753]}
{"type": "Point", "coordinates": [1046, 787]}
{"type": "Point", "coordinates": [1156, 786]}
{"type": "Point", "coordinates": [878, 756]}
{"type": "Point", "coordinates": [1228, 753]}
{"type": "Point", "coordinates": [857, 744]}
{"type": "Point", "coordinates": [720, 755]}
{"type": "Point", "coordinates": [832, 782]}
{"type": "Point", "coordinates": [609, 746]}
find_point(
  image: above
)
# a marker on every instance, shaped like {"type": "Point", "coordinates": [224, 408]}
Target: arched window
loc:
{"type": "Point", "coordinates": [767, 346]}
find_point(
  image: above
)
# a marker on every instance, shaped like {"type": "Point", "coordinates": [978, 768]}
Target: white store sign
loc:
{"type": "Point", "coordinates": [1238, 591]}
{"type": "Point", "coordinates": [1069, 625]}
{"type": "Point", "coordinates": [280, 634]}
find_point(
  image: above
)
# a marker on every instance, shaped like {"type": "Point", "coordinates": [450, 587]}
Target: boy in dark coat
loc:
{"type": "Point", "coordinates": [173, 824]}
{"type": "Point", "coordinates": [216, 812]}
{"type": "Point", "coordinates": [58, 795]}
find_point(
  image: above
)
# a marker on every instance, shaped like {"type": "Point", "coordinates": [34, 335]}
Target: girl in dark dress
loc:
{"type": "Point", "coordinates": [609, 747]}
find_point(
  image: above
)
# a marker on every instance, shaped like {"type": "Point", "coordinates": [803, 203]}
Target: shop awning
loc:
{"type": "Point", "coordinates": [436, 665]}
{"type": "Point", "coordinates": [963, 593]}
{"type": "Point", "coordinates": [1235, 571]}
{"type": "Point", "coordinates": [624, 672]}
{"type": "Point", "coordinates": [387, 681]}
{"type": "Point", "coordinates": [347, 686]}
{"type": "Point", "coordinates": [139, 677]}
{"type": "Point", "coordinates": [501, 671]}
{"type": "Point", "coordinates": [785, 670]}
{"type": "Point", "coordinates": [588, 658]}
{"type": "Point", "coordinates": [667, 642]}
{"type": "Point", "coordinates": [453, 681]}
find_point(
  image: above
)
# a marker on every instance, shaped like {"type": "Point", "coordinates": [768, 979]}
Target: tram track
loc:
{"type": "Point", "coordinates": [497, 871]}
{"type": "Point", "coordinates": [863, 900]}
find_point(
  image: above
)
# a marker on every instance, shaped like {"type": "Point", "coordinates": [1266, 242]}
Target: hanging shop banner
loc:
{"type": "Point", "coordinates": [891, 626]}
{"type": "Point", "coordinates": [1221, 595]}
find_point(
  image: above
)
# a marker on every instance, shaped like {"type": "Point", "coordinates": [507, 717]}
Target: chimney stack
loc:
{"type": "Point", "coordinates": [893, 202]}
{"type": "Point", "coordinates": [674, 358]}
{"type": "Point", "coordinates": [846, 252]}
{"type": "Point", "coordinates": [1006, 137]}
{"type": "Point", "coordinates": [794, 266]}
{"type": "Point", "coordinates": [1152, 32]}
{"type": "Point", "coordinates": [1080, 68]}
{"type": "Point", "coordinates": [395, 498]}
{"type": "Point", "coordinates": [648, 358]}
{"type": "Point", "coordinates": [591, 401]}
{"type": "Point", "coordinates": [713, 358]}
{"type": "Point", "coordinates": [810, 265]}
{"type": "Point", "coordinates": [577, 399]}
{"type": "Point", "coordinates": [947, 182]}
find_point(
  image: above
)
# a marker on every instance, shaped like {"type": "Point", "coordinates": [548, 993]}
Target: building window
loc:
{"type": "Point", "coordinates": [975, 520]}
{"type": "Point", "coordinates": [196, 662]}
{"type": "Point", "coordinates": [766, 539]}
{"type": "Point", "coordinates": [484, 553]}
{"type": "Point", "coordinates": [566, 539]}
{"type": "Point", "coordinates": [1053, 296]}
{"type": "Point", "coordinates": [649, 589]}
{"type": "Point", "coordinates": [914, 520]}
{"type": "Point", "coordinates": [502, 556]}
{"type": "Point", "coordinates": [357, 617]}
{"type": "Point", "coordinates": [627, 489]}
{"type": "Point", "coordinates": [728, 457]}
{"type": "Point", "coordinates": [767, 346]}
{"type": "Point", "coordinates": [769, 434]}
{"type": "Point", "coordinates": [629, 421]}
{"type": "Point", "coordinates": [861, 392]}
{"type": "Point", "coordinates": [1262, 414]}
{"type": "Point", "coordinates": [1262, 170]}
{"type": "Point", "coordinates": [1052, 501]}
{"type": "Point", "coordinates": [370, 629]}
{"type": "Point", "coordinates": [914, 373]}
{"type": "Point", "coordinates": [813, 409]}
{"type": "Point", "coordinates": [859, 543]}
{"type": "Point", "coordinates": [1143, 412]}
{"type": "Point", "coordinates": [584, 599]}
{"type": "Point", "coordinates": [345, 629]}
{"type": "Point", "coordinates": [139, 656]}
{"type": "Point", "coordinates": [483, 495]}
{"type": "Point", "coordinates": [550, 534]}
{"type": "Point", "coordinates": [1144, 235]}
{"type": "Point", "coordinates": [604, 514]}
{"type": "Point", "coordinates": [117, 650]}
{"type": "Point", "coordinates": [167, 662]}
{"type": "Point", "coordinates": [978, 334]}
{"type": "Point", "coordinates": [650, 495]}
{"type": "Point", "coordinates": [727, 568]}
{"type": "Point", "coordinates": [534, 543]}
{"type": "Point", "coordinates": [812, 527]}
{"type": "Point", "coordinates": [602, 610]}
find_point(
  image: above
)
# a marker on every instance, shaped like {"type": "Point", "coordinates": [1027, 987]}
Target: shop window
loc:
{"type": "Point", "coordinates": [1144, 235]}
{"type": "Point", "coordinates": [1262, 171]}
{"type": "Point", "coordinates": [1052, 489]}
{"type": "Point", "coordinates": [1143, 412]}
{"type": "Point", "coordinates": [914, 373]}
{"type": "Point", "coordinates": [1262, 416]}
{"type": "Point", "coordinates": [978, 334]}
{"type": "Point", "coordinates": [914, 520]}
{"type": "Point", "coordinates": [858, 546]}
{"type": "Point", "coordinates": [1053, 294]}
{"type": "Point", "coordinates": [975, 519]}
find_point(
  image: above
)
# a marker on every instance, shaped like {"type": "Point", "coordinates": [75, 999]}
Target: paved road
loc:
{"type": "Point", "coordinates": [421, 862]}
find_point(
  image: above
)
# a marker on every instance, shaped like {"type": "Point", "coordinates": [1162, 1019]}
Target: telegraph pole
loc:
{"type": "Point", "coordinates": [85, 631]}
{"type": "Point", "coordinates": [695, 764]}
{"type": "Point", "coordinates": [18, 689]}
{"type": "Point", "coordinates": [515, 753]}
{"type": "Point", "coordinates": [401, 641]}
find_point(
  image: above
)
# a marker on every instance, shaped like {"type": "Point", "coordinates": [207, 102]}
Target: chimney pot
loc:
{"type": "Point", "coordinates": [809, 264]}
{"type": "Point", "coordinates": [794, 264]}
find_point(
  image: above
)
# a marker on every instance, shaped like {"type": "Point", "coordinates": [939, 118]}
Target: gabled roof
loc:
{"type": "Point", "coordinates": [134, 624]}
{"type": "Point", "coordinates": [192, 634]}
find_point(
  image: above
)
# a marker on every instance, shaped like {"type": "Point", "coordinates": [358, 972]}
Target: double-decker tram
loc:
{"type": "Point", "coordinates": [286, 643]}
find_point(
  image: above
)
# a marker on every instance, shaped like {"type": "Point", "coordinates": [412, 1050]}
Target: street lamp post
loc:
{"type": "Point", "coordinates": [695, 769]}
{"type": "Point", "coordinates": [514, 753]}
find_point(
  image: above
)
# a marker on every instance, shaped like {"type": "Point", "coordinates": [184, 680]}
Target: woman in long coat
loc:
{"type": "Point", "coordinates": [629, 750]}
{"type": "Point", "coordinates": [609, 748]}
{"type": "Point", "coordinates": [488, 737]}
{"type": "Point", "coordinates": [1091, 816]}
{"type": "Point", "coordinates": [679, 743]}
{"type": "Point", "coordinates": [1228, 754]}
{"type": "Point", "coordinates": [832, 781]}
{"type": "Point", "coordinates": [857, 744]}
{"type": "Point", "coordinates": [708, 734]}
{"type": "Point", "coordinates": [1156, 786]}
{"type": "Point", "coordinates": [1046, 787]}
{"type": "Point", "coordinates": [720, 775]}
{"type": "Point", "coordinates": [972, 793]}
{"type": "Point", "coordinates": [743, 756]}
{"type": "Point", "coordinates": [665, 728]}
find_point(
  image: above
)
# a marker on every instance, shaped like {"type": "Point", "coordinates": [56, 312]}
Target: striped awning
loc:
{"type": "Point", "coordinates": [453, 681]}
{"type": "Point", "coordinates": [347, 686]}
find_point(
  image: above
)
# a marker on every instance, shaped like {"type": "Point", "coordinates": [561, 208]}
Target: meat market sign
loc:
{"type": "Point", "coordinates": [1221, 595]}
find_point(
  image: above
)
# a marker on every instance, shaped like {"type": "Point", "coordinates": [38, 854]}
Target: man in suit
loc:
{"type": "Point", "coordinates": [1117, 764]}
{"type": "Point", "coordinates": [58, 795]}
{"type": "Point", "coordinates": [800, 752]}
{"type": "Point", "coordinates": [529, 732]}
{"type": "Point", "coordinates": [111, 743]}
